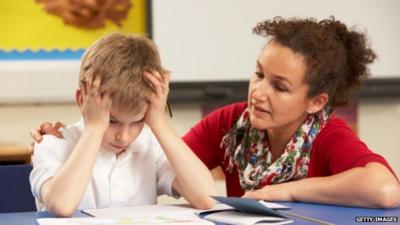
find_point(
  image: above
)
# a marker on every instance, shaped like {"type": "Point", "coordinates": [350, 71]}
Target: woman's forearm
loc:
{"type": "Point", "coordinates": [372, 186]}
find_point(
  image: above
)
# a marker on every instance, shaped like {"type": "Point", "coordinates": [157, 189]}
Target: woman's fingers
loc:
{"type": "Point", "coordinates": [36, 135]}
{"type": "Point", "coordinates": [48, 128]}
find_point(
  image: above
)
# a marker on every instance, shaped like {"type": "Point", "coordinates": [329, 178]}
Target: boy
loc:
{"type": "Point", "coordinates": [110, 158]}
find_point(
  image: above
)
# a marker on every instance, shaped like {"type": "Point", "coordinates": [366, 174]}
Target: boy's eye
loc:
{"type": "Point", "coordinates": [138, 122]}
{"type": "Point", "coordinates": [113, 121]}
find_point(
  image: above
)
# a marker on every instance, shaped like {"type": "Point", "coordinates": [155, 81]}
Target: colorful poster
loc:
{"type": "Point", "coordinates": [62, 29]}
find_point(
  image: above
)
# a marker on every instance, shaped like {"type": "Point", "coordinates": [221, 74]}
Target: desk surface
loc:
{"type": "Point", "coordinates": [340, 214]}
{"type": "Point", "coordinates": [326, 213]}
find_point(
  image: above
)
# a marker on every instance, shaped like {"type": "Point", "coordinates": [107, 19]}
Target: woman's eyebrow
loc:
{"type": "Point", "coordinates": [276, 76]}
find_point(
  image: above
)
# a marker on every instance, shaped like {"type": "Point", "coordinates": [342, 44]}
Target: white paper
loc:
{"type": "Point", "coordinates": [241, 218]}
{"type": "Point", "coordinates": [273, 205]}
{"type": "Point", "coordinates": [217, 207]}
{"type": "Point", "coordinates": [183, 219]}
{"type": "Point", "coordinates": [140, 211]}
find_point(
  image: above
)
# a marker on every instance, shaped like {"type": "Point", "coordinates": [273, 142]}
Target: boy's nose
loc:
{"type": "Point", "coordinates": [122, 136]}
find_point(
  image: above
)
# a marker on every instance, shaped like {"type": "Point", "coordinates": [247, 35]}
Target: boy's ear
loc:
{"type": "Point", "coordinates": [79, 97]}
{"type": "Point", "coordinates": [318, 102]}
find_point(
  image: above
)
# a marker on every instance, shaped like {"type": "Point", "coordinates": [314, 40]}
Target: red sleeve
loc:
{"type": "Point", "coordinates": [337, 148]}
{"type": "Point", "coordinates": [205, 137]}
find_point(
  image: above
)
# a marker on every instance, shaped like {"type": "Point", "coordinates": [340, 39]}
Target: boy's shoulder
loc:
{"type": "Point", "coordinates": [60, 147]}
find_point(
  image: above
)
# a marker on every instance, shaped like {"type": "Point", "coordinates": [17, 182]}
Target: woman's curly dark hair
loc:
{"type": "Point", "coordinates": [336, 58]}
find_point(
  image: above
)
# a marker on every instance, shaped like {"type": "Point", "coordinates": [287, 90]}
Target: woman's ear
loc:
{"type": "Point", "coordinates": [79, 97]}
{"type": "Point", "coordinates": [317, 103]}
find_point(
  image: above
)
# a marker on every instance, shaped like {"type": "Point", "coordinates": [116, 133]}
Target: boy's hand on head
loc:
{"type": "Point", "coordinates": [96, 106]}
{"type": "Point", "coordinates": [158, 99]}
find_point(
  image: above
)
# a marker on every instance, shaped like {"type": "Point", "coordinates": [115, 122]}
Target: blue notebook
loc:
{"type": "Point", "coordinates": [247, 205]}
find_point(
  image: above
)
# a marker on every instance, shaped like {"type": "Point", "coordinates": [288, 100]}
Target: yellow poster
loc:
{"type": "Point", "coordinates": [45, 26]}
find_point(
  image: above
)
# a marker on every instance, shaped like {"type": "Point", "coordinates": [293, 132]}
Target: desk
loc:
{"type": "Point", "coordinates": [28, 218]}
{"type": "Point", "coordinates": [340, 214]}
{"type": "Point", "coordinates": [14, 153]}
{"type": "Point", "coordinates": [332, 214]}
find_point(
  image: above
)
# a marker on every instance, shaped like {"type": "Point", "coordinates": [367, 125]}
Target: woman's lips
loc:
{"type": "Point", "coordinates": [260, 109]}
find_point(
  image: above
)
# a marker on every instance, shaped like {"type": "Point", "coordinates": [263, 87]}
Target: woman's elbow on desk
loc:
{"type": "Point", "coordinates": [382, 185]}
{"type": "Point", "coordinates": [388, 196]}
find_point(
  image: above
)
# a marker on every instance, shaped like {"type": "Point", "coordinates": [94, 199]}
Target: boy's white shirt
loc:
{"type": "Point", "coordinates": [139, 174]}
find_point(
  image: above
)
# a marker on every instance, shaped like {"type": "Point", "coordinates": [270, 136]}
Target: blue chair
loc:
{"type": "Point", "coordinates": [15, 191]}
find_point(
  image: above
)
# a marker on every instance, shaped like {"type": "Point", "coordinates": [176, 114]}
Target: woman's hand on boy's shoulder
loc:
{"type": "Point", "coordinates": [44, 128]}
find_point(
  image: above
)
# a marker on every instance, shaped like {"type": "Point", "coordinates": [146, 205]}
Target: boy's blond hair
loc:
{"type": "Point", "coordinates": [120, 61]}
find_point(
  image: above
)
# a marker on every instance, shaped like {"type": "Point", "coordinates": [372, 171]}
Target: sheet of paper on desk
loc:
{"type": "Point", "coordinates": [247, 212]}
{"type": "Point", "coordinates": [135, 211]}
{"type": "Point", "coordinates": [223, 207]}
{"type": "Point", "coordinates": [181, 219]}
{"type": "Point", "coordinates": [241, 218]}
{"type": "Point", "coordinates": [273, 205]}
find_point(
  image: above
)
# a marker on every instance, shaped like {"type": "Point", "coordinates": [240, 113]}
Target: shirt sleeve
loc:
{"type": "Point", "coordinates": [48, 157]}
{"type": "Point", "coordinates": [342, 150]}
{"type": "Point", "coordinates": [205, 137]}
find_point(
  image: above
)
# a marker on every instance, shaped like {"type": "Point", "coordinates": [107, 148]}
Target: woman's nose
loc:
{"type": "Point", "coordinates": [261, 92]}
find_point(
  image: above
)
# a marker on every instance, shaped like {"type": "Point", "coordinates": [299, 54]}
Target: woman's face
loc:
{"type": "Point", "coordinates": [277, 92]}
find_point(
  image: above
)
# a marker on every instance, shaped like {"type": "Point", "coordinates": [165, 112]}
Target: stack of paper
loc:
{"type": "Point", "coordinates": [241, 218]}
{"type": "Point", "coordinates": [247, 212]}
{"type": "Point", "coordinates": [144, 219]}
{"type": "Point", "coordinates": [237, 211]}
{"type": "Point", "coordinates": [155, 220]}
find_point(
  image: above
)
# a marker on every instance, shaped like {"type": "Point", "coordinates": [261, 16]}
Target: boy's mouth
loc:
{"type": "Point", "coordinates": [118, 146]}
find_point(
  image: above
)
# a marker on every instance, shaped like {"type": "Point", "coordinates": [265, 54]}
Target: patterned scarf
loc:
{"type": "Point", "coordinates": [248, 149]}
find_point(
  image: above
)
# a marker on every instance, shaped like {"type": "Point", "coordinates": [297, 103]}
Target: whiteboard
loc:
{"type": "Point", "coordinates": [210, 40]}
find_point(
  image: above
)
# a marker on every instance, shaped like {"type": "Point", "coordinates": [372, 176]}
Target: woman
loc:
{"type": "Point", "coordinates": [284, 144]}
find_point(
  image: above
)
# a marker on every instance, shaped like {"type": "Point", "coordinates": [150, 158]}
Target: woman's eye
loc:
{"type": "Point", "coordinates": [281, 88]}
{"type": "Point", "coordinates": [113, 121]}
{"type": "Point", "coordinates": [259, 74]}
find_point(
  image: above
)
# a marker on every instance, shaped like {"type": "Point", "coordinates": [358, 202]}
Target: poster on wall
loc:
{"type": "Point", "coordinates": [42, 42]}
